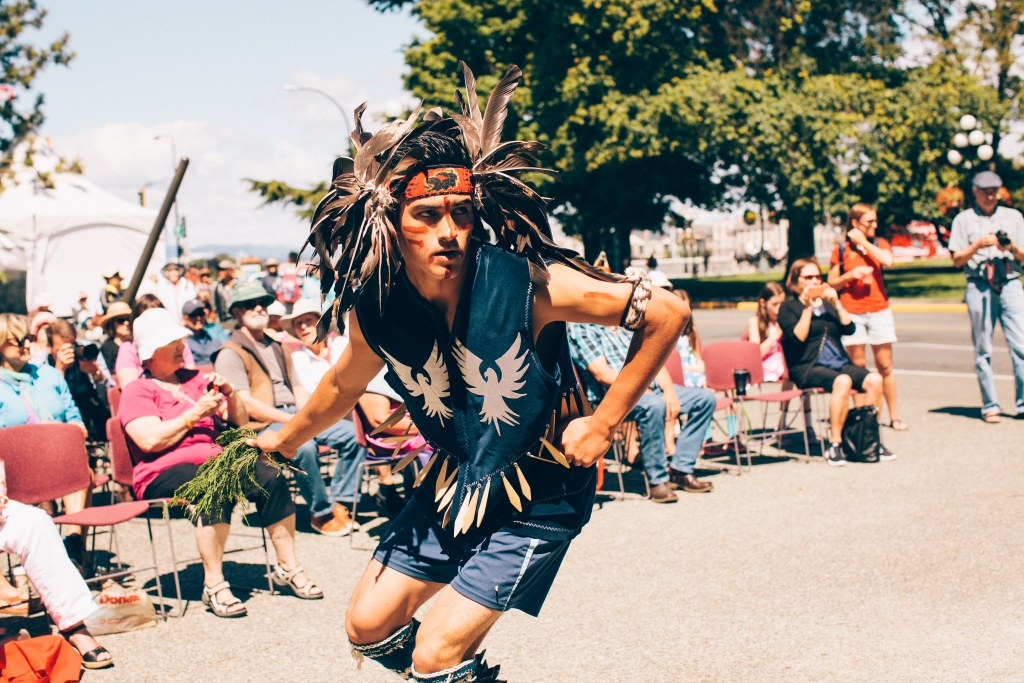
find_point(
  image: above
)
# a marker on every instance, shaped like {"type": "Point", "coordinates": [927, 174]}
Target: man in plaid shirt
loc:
{"type": "Point", "coordinates": [599, 353]}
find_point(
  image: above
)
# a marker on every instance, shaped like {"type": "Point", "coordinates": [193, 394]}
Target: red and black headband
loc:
{"type": "Point", "coordinates": [435, 181]}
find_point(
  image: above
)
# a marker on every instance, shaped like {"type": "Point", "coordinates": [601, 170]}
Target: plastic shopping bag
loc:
{"type": "Point", "coordinates": [121, 610]}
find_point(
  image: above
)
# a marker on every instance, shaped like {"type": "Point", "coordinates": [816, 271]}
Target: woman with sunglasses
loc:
{"type": "Point", "coordinates": [856, 273]}
{"type": "Point", "coordinates": [812, 325]}
{"type": "Point", "coordinates": [116, 323]}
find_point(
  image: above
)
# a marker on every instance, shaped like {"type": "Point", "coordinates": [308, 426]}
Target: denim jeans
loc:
{"type": "Point", "coordinates": [309, 480]}
{"type": "Point", "coordinates": [699, 407]}
{"type": "Point", "coordinates": [345, 483]}
{"type": "Point", "coordinates": [985, 306]}
{"type": "Point", "coordinates": [342, 437]}
{"type": "Point", "coordinates": [649, 415]}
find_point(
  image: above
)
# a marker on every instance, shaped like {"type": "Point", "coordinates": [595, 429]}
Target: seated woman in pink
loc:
{"type": "Point", "coordinates": [172, 416]}
{"type": "Point", "coordinates": [763, 329]}
{"type": "Point", "coordinates": [127, 366]}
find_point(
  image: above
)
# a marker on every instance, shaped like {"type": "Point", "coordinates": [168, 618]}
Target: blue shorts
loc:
{"type": "Point", "coordinates": [500, 570]}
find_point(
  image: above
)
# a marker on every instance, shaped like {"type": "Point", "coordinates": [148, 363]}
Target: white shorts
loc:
{"type": "Point", "coordinates": [872, 328]}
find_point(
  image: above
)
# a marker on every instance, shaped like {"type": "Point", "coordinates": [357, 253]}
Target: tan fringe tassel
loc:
{"type": "Point", "coordinates": [483, 503]}
{"type": "Point", "coordinates": [441, 478]}
{"type": "Point", "coordinates": [394, 418]}
{"type": "Point", "coordinates": [447, 498]}
{"type": "Point", "coordinates": [468, 521]}
{"type": "Point", "coordinates": [461, 517]}
{"type": "Point", "coordinates": [522, 483]}
{"type": "Point", "coordinates": [404, 462]}
{"type": "Point", "coordinates": [555, 453]}
{"type": "Point", "coordinates": [513, 497]}
{"type": "Point", "coordinates": [423, 473]}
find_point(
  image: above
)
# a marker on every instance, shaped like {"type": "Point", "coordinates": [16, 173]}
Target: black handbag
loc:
{"type": "Point", "coordinates": [860, 434]}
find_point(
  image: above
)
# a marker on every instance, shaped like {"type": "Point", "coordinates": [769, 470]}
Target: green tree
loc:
{"type": "Point", "coordinates": [20, 64]}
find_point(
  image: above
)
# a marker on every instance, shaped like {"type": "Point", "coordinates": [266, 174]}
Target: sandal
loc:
{"type": "Point", "coordinates": [222, 609]}
{"type": "Point", "coordinates": [899, 425]}
{"type": "Point", "coordinates": [992, 418]}
{"type": "Point", "coordinates": [286, 578]}
{"type": "Point", "coordinates": [90, 659]}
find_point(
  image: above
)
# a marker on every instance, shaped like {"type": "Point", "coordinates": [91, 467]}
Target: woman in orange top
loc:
{"type": "Point", "coordinates": [856, 273]}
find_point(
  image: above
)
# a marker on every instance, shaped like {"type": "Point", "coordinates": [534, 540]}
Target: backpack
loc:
{"type": "Point", "coordinates": [860, 434]}
{"type": "Point", "coordinates": [289, 290]}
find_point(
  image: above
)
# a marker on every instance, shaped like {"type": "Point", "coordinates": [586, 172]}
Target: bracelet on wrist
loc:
{"type": "Point", "coordinates": [188, 423]}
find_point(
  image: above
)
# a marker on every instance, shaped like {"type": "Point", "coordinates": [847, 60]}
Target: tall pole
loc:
{"type": "Point", "coordinates": [341, 110]}
{"type": "Point", "coordinates": [154, 235]}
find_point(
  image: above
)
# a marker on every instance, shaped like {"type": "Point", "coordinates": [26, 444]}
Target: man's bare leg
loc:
{"type": "Point", "coordinates": [384, 601]}
{"type": "Point", "coordinates": [451, 632]}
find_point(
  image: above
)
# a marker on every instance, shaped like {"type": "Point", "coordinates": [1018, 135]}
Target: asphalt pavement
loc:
{"type": "Point", "coordinates": [907, 570]}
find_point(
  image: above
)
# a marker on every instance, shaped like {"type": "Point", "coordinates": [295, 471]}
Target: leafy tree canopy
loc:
{"type": "Point", "coordinates": [20, 64]}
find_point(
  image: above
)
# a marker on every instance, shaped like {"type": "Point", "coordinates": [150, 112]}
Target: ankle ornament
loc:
{"type": "Point", "coordinates": [394, 652]}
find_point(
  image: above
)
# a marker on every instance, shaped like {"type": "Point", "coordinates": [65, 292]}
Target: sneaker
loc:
{"type": "Point", "coordinates": [334, 523]}
{"type": "Point", "coordinates": [885, 454]}
{"type": "Point", "coordinates": [834, 456]}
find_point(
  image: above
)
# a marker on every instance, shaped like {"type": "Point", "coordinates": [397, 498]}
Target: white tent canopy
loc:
{"type": "Point", "coordinates": [65, 231]}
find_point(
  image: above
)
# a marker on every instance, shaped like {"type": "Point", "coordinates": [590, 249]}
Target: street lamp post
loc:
{"type": "Point", "coordinates": [341, 110]}
{"type": "Point", "coordinates": [971, 139]}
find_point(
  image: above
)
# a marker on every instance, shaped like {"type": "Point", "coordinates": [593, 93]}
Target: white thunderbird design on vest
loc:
{"type": "Point", "coordinates": [431, 383]}
{"type": "Point", "coordinates": [495, 391]}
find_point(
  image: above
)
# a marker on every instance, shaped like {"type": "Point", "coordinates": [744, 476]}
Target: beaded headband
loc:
{"type": "Point", "coordinates": [437, 181]}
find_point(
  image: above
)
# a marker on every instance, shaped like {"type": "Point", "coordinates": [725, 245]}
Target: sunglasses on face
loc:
{"type": "Point", "coordinates": [198, 315]}
{"type": "Point", "coordinates": [810, 277]}
{"type": "Point", "coordinates": [249, 305]}
{"type": "Point", "coordinates": [19, 342]}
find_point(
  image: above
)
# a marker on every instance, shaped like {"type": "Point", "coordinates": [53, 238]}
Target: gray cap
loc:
{"type": "Point", "coordinates": [987, 180]}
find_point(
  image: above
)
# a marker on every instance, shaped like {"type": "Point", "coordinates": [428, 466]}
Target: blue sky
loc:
{"type": "Point", "coordinates": [211, 74]}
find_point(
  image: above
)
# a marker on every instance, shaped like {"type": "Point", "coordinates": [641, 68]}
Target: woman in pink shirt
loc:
{"type": "Point", "coordinates": [172, 416]}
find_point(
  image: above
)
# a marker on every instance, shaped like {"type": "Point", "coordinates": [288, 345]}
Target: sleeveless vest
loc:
{"type": "Point", "coordinates": [480, 394]}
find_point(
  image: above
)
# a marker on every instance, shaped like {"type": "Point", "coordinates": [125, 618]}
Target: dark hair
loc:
{"type": "Point", "coordinates": [293, 257]}
{"type": "Point", "coordinates": [144, 303]}
{"type": "Point", "coordinates": [769, 291]}
{"type": "Point", "coordinates": [435, 149]}
{"type": "Point", "coordinates": [63, 329]}
{"type": "Point", "coordinates": [794, 272]}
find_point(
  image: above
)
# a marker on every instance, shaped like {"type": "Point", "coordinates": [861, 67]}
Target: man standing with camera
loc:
{"type": "Point", "coordinates": [986, 242]}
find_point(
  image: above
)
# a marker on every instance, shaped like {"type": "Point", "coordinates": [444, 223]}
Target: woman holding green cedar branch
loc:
{"type": "Point", "coordinates": [173, 417]}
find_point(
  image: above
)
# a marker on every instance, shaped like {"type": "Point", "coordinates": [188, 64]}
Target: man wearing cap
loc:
{"type": "Point", "coordinates": [111, 291]}
{"type": "Point", "coordinates": [262, 372]}
{"type": "Point", "coordinates": [206, 338]}
{"type": "Point", "coordinates": [222, 292]}
{"type": "Point", "coordinates": [271, 281]}
{"type": "Point", "coordinates": [173, 290]}
{"type": "Point", "coordinates": [986, 242]}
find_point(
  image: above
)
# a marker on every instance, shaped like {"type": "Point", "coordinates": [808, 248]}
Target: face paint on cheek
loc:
{"type": "Point", "coordinates": [415, 230]}
{"type": "Point", "coordinates": [430, 259]}
{"type": "Point", "coordinates": [415, 243]}
{"type": "Point", "coordinates": [447, 274]}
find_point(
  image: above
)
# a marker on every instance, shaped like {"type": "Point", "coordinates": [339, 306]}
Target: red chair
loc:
{"type": "Point", "coordinates": [721, 359]}
{"type": "Point", "coordinates": [123, 466]}
{"type": "Point", "coordinates": [375, 455]}
{"type": "Point", "coordinates": [674, 366]}
{"type": "Point", "coordinates": [46, 461]}
{"type": "Point", "coordinates": [114, 399]}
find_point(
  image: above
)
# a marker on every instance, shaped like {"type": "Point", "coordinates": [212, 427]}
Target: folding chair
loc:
{"type": "Point", "coordinates": [375, 455]}
{"type": "Point", "coordinates": [123, 467]}
{"type": "Point", "coordinates": [47, 461]}
{"type": "Point", "coordinates": [674, 366]}
{"type": "Point", "coordinates": [721, 359]}
{"type": "Point", "coordinates": [114, 399]}
{"type": "Point", "coordinates": [626, 432]}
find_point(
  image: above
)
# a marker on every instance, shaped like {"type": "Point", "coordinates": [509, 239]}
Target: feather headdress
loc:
{"type": "Point", "coordinates": [352, 231]}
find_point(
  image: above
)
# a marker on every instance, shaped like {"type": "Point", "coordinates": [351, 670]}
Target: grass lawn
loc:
{"type": "Point", "coordinates": [917, 284]}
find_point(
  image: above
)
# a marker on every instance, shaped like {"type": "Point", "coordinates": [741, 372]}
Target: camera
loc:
{"type": "Point", "coordinates": [86, 352]}
{"type": "Point", "coordinates": [1003, 239]}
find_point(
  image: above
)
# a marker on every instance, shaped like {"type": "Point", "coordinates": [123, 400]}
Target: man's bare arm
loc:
{"type": "Point", "coordinates": [334, 398]}
{"type": "Point", "coordinates": [574, 297]}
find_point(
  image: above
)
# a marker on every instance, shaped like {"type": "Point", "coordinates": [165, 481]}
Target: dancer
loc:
{"type": "Point", "coordinates": [473, 336]}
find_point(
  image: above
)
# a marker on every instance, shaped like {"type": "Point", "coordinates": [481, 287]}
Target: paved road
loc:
{"type": "Point", "coordinates": [901, 571]}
